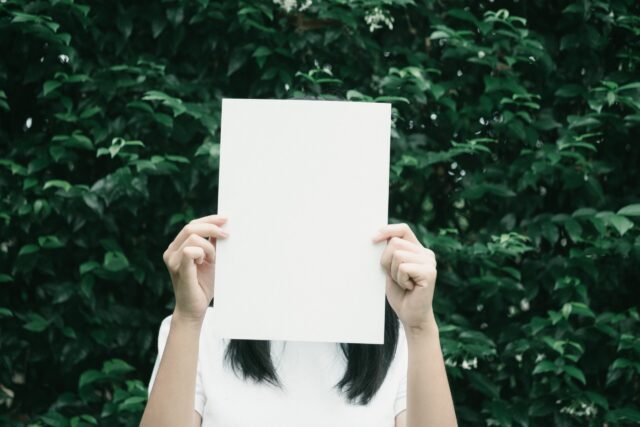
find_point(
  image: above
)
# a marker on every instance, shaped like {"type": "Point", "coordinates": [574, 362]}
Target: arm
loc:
{"type": "Point", "coordinates": [190, 260]}
{"type": "Point", "coordinates": [429, 401]}
{"type": "Point", "coordinates": [172, 397]}
{"type": "Point", "coordinates": [411, 277]}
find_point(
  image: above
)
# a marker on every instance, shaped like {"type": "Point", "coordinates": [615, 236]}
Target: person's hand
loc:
{"type": "Point", "coordinates": [190, 259]}
{"type": "Point", "coordinates": [411, 276]}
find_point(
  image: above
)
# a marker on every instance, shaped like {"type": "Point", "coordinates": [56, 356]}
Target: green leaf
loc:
{"type": "Point", "coordinates": [629, 86]}
{"type": "Point", "coordinates": [236, 61]}
{"type": "Point", "coordinates": [89, 419]}
{"type": "Point", "coordinates": [69, 332]}
{"type": "Point", "coordinates": [50, 242]}
{"type": "Point", "coordinates": [392, 99]}
{"type": "Point", "coordinates": [261, 51]}
{"type": "Point", "coordinates": [622, 363]}
{"type": "Point", "coordinates": [566, 310]}
{"type": "Point", "coordinates": [630, 210]}
{"type": "Point", "coordinates": [89, 377]}
{"type": "Point", "coordinates": [543, 367]}
{"type": "Point", "coordinates": [88, 266]}
{"type": "Point", "coordinates": [436, 35]}
{"type": "Point", "coordinates": [575, 373]}
{"type": "Point", "coordinates": [133, 401]}
{"type": "Point", "coordinates": [15, 168]}
{"type": "Point", "coordinates": [620, 223]}
{"type": "Point", "coordinates": [177, 159]}
{"type": "Point", "coordinates": [174, 104]}
{"type": "Point", "coordinates": [90, 112]}
{"type": "Point", "coordinates": [115, 261]}
{"type": "Point", "coordinates": [28, 249]}
{"type": "Point", "coordinates": [354, 95]}
{"type": "Point", "coordinates": [50, 86]}
{"type": "Point", "coordinates": [57, 183]}
{"type": "Point", "coordinates": [116, 367]}
{"type": "Point", "coordinates": [36, 323]}
{"type": "Point", "coordinates": [577, 308]}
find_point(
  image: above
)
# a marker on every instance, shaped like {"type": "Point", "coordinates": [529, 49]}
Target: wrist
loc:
{"type": "Point", "coordinates": [427, 330]}
{"type": "Point", "coordinates": [181, 319]}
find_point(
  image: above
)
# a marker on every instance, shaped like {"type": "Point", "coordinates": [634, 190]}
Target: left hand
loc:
{"type": "Point", "coordinates": [411, 276]}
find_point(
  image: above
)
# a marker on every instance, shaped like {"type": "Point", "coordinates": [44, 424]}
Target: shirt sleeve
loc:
{"type": "Point", "coordinates": [163, 334]}
{"type": "Point", "coordinates": [402, 355]}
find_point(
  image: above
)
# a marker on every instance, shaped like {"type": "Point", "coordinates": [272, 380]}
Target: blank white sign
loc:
{"type": "Point", "coordinates": [304, 184]}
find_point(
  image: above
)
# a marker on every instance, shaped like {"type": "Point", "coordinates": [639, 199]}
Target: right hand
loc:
{"type": "Point", "coordinates": [190, 259]}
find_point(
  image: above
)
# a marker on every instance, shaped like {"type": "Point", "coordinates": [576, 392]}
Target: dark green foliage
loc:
{"type": "Point", "coordinates": [515, 157]}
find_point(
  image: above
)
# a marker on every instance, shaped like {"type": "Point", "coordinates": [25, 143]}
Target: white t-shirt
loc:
{"type": "Point", "coordinates": [307, 370]}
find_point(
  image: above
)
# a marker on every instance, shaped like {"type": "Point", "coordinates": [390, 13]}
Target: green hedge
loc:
{"type": "Point", "coordinates": [515, 156]}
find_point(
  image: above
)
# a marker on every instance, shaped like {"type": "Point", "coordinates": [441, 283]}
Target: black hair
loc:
{"type": "Point", "coordinates": [367, 364]}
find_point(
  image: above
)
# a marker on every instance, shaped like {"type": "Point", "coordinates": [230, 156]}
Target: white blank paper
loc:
{"type": "Point", "coordinates": [304, 184]}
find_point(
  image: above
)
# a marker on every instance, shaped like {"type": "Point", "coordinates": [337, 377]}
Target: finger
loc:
{"type": "Point", "coordinates": [194, 240]}
{"type": "Point", "coordinates": [200, 228]}
{"type": "Point", "coordinates": [396, 243]}
{"type": "Point", "coordinates": [404, 278]}
{"type": "Point", "coordinates": [431, 256]}
{"type": "Point", "coordinates": [190, 254]}
{"type": "Point", "coordinates": [420, 274]}
{"type": "Point", "coordinates": [213, 219]}
{"type": "Point", "coordinates": [403, 282]}
{"type": "Point", "coordinates": [401, 230]}
{"type": "Point", "coordinates": [184, 257]}
{"type": "Point", "coordinates": [393, 290]}
{"type": "Point", "coordinates": [205, 244]}
{"type": "Point", "coordinates": [399, 256]}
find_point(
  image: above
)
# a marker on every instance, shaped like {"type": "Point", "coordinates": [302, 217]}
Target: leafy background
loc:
{"type": "Point", "coordinates": [515, 154]}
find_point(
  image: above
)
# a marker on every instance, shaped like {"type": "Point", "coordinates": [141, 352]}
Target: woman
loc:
{"type": "Point", "coordinates": [402, 383]}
